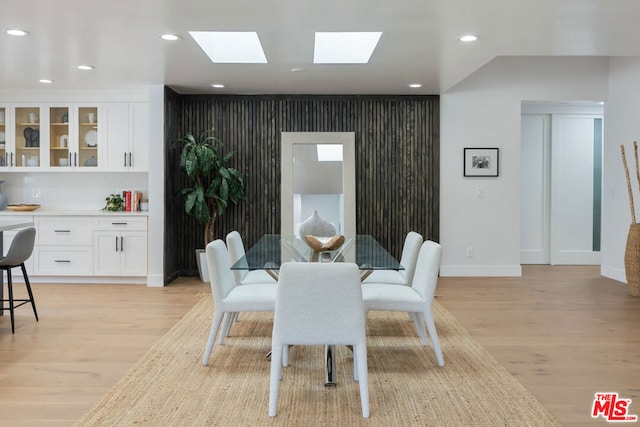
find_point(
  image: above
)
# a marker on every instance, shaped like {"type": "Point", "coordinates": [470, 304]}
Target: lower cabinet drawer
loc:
{"type": "Point", "coordinates": [67, 261]}
{"type": "Point", "coordinates": [58, 232]}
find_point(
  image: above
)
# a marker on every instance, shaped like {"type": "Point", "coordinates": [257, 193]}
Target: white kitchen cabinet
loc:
{"type": "Point", "coordinates": [63, 246]}
{"type": "Point", "coordinates": [89, 245]}
{"type": "Point", "coordinates": [73, 139]}
{"type": "Point", "coordinates": [5, 117]}
{"type": "Point", "coordinates": [120, 247]}
{"type": "Point", "coordinates": [63, 261]}
{"type": "Point", "coordinates": [49, 137]}
{"type": "Point", "coordinates": [127, 136]}
{"type": "Point", "coordinates": [63, 230]}
{"type": "Point", "coordinates": [23, 137]}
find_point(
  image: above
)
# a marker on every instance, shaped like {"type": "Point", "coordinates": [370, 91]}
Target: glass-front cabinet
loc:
{"type": "Point", "coordinates": [87, 137]}
{"type": "Point", "coordinates": [73, 137]}
{"type": "Point", "coordinates": [60, 137]}
{"type": "Point", "coordinates": [59, 134]}
{"type": "Point", "coordinates": [3, 134]}
{"type": "Point", "coordinates": [27, 137]}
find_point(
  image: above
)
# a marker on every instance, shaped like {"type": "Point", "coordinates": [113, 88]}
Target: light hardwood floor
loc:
{"type": "Point", "coordinates": [564, 332]}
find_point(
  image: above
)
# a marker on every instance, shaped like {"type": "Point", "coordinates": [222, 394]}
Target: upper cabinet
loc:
{"type": "Point", "coordinates": [74, 138]}
{"type": "Point", "coordinates": [111, 136]}
{"type": "Point", "coordinates": [26, 149]}
{"type": "Point", "coordinates": [4, 112]}
{"type": "Point", "coordinates": [88, 141]}
{"type": "Point", "coordinates": [127, 135]}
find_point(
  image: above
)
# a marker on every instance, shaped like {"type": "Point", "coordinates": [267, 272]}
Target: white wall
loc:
{"type": "Point", "coordinates": [69, 190]}
{"type": "Point", "coordinates": [622, 126]}
{"type": "Point", "coordinates": [484, 111]}
{"type": "Point", "coordinates": [157, 149]}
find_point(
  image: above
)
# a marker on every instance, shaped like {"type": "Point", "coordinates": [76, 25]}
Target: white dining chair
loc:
{"type": "Point", "coordinates": [409, 257]}
{"type": "Point", "coordinates": [417, 299]}
{"type": "Point", "coordinates": [235, 246]}
{"type": "Point", "coordinates": [230, 298]}
{"type": "Point", "coordinates": [319, 304]}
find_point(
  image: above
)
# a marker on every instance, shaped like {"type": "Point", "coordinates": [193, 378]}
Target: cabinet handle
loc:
{"type": "Point", "coordinates": [116, 243]}
{"type": "Point", "coordinates": [6, 159]}
{"type": "Point", "coordinates": [12, 160]}
{"type": "Point", "coordinates": [70, 163]}
{"type": "Point", "coordinates": [75, 159]}
{"type": "Point", "coordinates": [121, 243]}
{"type": "Point", "coordinates": [61, 260]}
{"type": "Point", "coordinates": [125, 160]}
{"type": "Point", "coordinates": [62, 231]}
{"type": "Point", "coordinates": [118, 223]}
{"type": "Point", "coordinates": [129, 158]}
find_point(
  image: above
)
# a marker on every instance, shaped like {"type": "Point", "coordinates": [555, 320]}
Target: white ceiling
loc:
{"type": "Point", "coordinates": [419, 41]}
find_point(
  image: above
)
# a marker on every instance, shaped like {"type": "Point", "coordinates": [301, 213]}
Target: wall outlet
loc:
{"type": "Point", "coordinates": [36, 193]}
{"type": "Point", "coordinates": [469, 251]}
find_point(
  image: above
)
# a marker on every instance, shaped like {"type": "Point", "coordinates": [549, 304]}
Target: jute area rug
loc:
{"type": "Point", "coordinates": [170, 387]}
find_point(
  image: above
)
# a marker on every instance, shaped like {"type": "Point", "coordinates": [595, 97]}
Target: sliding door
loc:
{"type": "Point", "coordinates": [561, 179]}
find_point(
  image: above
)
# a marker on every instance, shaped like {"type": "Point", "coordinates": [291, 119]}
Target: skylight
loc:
{"type": "Point", "coordinates": [230, 47]}
{"type": "Point", "coordinates": [345, 48]}
{"type": "Point", "coordinates": [329, 152]}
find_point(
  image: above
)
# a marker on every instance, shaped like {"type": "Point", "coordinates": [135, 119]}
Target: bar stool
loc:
{"type": "Point", "coordinates": [19, 251]}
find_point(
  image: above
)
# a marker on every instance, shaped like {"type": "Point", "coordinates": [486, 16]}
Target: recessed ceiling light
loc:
{"type": "Point", "coordinates": [468, 38]}
{"type": "Point", "coordinates": [46, 81]}
{"type": "Point", "coordinates": [170, 37]}
{"type": "Point", "coordinates": [344, 48]}
{"type": "Point", "coordinates": [217, 85]}
{"type": "Point", "coordinates": [16, 32]}
{"type": "Point", "coordinates": [415, 85]}
{"type": "Point", "coordinates": [85, 67]}
{"type": "Point", "coordinates": [230, 47]}
{"type": "Point", "coordinates": [297, 70]}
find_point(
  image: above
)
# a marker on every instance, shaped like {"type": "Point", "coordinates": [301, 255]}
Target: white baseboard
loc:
{"type": "Point", "coordinates": [129, 280]}
{"type": "Point", "coordinates": [613, 273]}
{"type": "Point", "coordinates": [155, 281]}
{"type": "Point", "coordinates": [480, 270]}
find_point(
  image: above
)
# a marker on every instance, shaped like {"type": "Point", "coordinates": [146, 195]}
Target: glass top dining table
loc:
{"type": "Point", "coordinates": [274, 249]}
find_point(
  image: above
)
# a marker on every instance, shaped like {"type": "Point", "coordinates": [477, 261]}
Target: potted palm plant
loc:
{"type": "Point", "coordinates": [212, 185]}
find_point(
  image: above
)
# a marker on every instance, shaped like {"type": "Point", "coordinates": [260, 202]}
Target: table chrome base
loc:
{"type": "Point", "coordinates": [330, 365]}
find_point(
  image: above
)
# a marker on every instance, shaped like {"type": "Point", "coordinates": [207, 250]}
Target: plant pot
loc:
{"type": "Point", "coordinates": [203, 267]}
{"type": "Point", "coordinates": [632, 260]}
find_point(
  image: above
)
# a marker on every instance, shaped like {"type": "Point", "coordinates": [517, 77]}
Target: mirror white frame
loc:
{"type": "Point", "coordinates": [347, 140]}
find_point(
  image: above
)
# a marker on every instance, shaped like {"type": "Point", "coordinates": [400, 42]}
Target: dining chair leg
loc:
{"type": "Point", "coordinates": [418, 321]}
{"type": "Point", "coordinates": [28, 285]}
{"type": "Point", "coordinates": [215, 325]}
{"type": "Point", "coordinates": [11, 308]}
{"type": "Point", "coordinates": [276, 374]}
{"type": "Point", "coordinates": [360, 353]}
{"type": "Point", "coordinates": [433, 334]}
{"type": "Point", "coordinates": [226, 327]}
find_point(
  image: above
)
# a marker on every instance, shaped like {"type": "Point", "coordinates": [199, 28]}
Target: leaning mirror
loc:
{"type": "Point", "coordinates": [318, 176]}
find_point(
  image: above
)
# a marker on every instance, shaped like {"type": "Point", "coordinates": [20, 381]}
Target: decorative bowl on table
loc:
{"type": "Point", "coordinates": [323, 244]}
{"type": "Point", "coordinates": [23, 207]}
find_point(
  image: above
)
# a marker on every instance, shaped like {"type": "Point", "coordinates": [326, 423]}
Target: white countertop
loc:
{"type": "Point", "coordinates": [71, 212]}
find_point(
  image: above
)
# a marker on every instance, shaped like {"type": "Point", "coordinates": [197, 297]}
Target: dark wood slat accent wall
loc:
{"type": "Point", "coordinates": [397, 163]}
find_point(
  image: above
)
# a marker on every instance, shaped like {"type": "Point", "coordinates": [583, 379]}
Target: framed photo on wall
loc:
{"type": "Point", "coordinates": [482, 162]}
